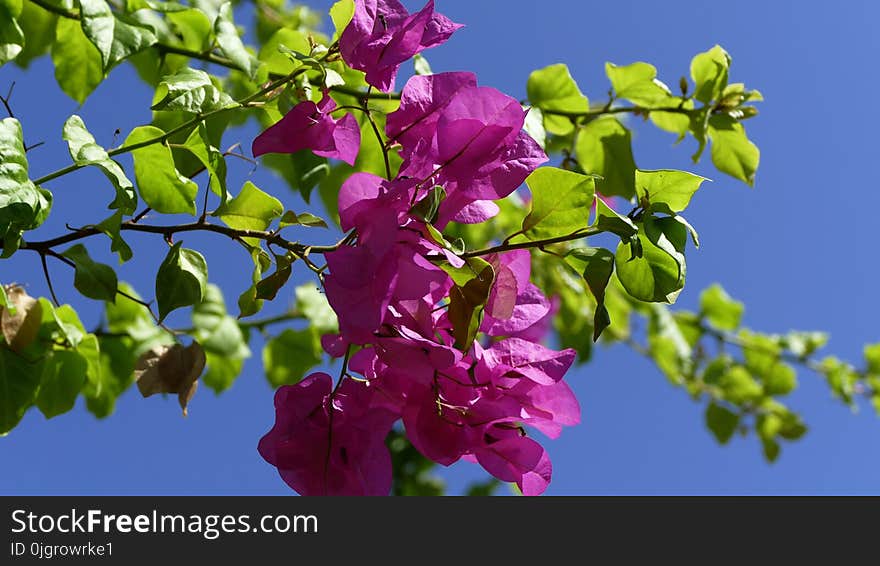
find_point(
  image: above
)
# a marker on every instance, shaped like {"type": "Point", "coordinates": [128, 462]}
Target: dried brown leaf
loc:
{"type": "Point", "coordinates": [20, 329]}
{"type": "Point", "coordinates": [171, 369]}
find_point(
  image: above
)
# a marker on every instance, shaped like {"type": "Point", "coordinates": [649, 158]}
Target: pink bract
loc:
{"type": "Point", "coordinates": [310, 126]}
{"type": "Point", "coordinates": [390, 285]}
{"type": "Point", "coordinates": [382, 35]}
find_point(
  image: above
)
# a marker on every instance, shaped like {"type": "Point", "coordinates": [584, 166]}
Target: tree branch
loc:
{"type": "Point", "coordinates": [583, 233]}
{"type": "Point", "coordinates": [244, 102]}
{"type": "Point", "coordinates": [300, 250]}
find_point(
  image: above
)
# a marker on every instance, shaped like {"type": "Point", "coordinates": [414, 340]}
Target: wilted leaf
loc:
{"type": "Point", "coordinates": [20, 329]}
{"type": "Point", "coordinates": [171, 369]}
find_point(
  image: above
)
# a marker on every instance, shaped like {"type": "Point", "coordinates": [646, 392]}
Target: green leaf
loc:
{"type": "Point", "coordinates": [561, 202]}
{"type": "Point", "coordinates": [129, 37]}
{"type": "Point", "coordinates": [792, 427]}
{"type": "Point", "coordinates": [268, 288]}
{"type": "Point", "coordinates": [553, 89]}
{"type": "Point", "coordinates": [709, 72]}
{"type": "Point", "coordinates": [11, 35]}
{"type": "Point", "coordinates": [466, 305]}
{"type": "Point", "coordinates": [638, 83]}
{"type": "Point", "coordinates": [90, 349]}
{"type": "Point", "coordinates": [115, 36]}
{"type": "Point", "coordinates": [761, 354]}
{"type": "Point", "coordinates": [222, 371]}
{"type": "Point", "coordinates": [194, 27]}
{"type": "Point", "coordinates": [276, 61]}
{"type": "Point", "coordinates": [675, 122]}
{"type": "Point", "coordinates": [461, 276]}
{"type": "Point", "coordinates": [161, 185]}
{"type": "Point", "coordinates": [230, 43]}
{"type": "Point", "coordinates": [116, 372]}
{"type": "Point", "coordinates": [314, 306]}
{"type": "Point", "coordinates": [64, 375]}
{"type": "Point", "coordinates": [721, 421]}
{"type": "Point", "coordinates": [69, 325]}
{"type": "Point", "coordinates": [668, 345]}
{"type": "Point", "coordinates": [739, 386]}
{"type": "Point", "coordinates": [97, 23]}
{"type": "Point", "coordinates": [22, 205]}
{"type": "Point", "coordinates": [608, 220]}
{"type": "Point", "coordinates": [421, 65]}
{"type": "Point", "coordinates": [252, 209]}
{"type": "Point", "coordinates": [803, 344]}
{"type": "Point", "coordinates": [112, 227]}
{"type": "Point", "coordinates": [780, 380]}
{"type": "Point", "coordinates": [658, 274]}
{"type": "Point", "coordinates": [596, 266]}
{"type": "Point", "coordinates": [94, 280]}
{"type": "Point", "coordinates": [842, 378]}
{"type": "Point", "coordinates": [732, 151]}
{"type": "Point", "coordinates": [302, 170]}
{"type": "Point", "coordinates": [663, 208]}
{"type": "Point", "coordinates": [307, 219]}
{"type": "Point", "coordinates": [192, 91]}
{"type": "Point", "coordinates": [604, 148]}
{"type": "Point", "coordinates": [534, 126]}
{"type": "Point", "coordinates": [715, 369]}
{"type": "Point", "coordinates": [38, 26]}
{"type": "Point", "coordinates": [181, 280]}
{"type": "Point", "coordinates": [872, 357]}
{"type": "Point", "coordinates": [19, 383]}
{"type": "Point", "coordinates": [427, 208]}
{"type": "Point", "coordinates": [771, 449]}
{"type": "Point", "coordinates": [85, 151]}
{"type": "Point", "coordinates": [78, 67]}
{"type": "Point", "coordinates": [248, 303]}
{"type": "Point", "coordinates": [721, 311]}
{"type": "Point", "coordinates": [198, 143]}
{"type": "Point", "coordinates": [341, 14]}
{"type": "Point", "coordinates": [667, 186]}
{"type": "Point", "coordinates": [222, 339]}
{"type": "Point", "coordinates": [288, 356]}
{"type": "Point", "coordinates": [131, 318]}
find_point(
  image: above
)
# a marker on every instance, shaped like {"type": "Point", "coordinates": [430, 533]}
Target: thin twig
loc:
{"type": "Point", "coordinates": [5, 100]}
{"type": "Point", "coordinates": [49, 280]}
{"type": "Point", "coordinates": [534, 243]}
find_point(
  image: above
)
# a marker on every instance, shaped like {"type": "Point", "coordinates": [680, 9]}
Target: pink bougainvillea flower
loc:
{"type": "Point", "coordinates": [421, 102]}
{"type": "Point", "coordinates": [390, 286]}
{"type": "Point", "coordinates": [362, 280]}
{"type": "Point", "coordinates": [310, 126]}
{"type": "Point", "coordinates": [526, 359]}
{"type": "Point", "coordinates": [512, 457]}
{"type": "Point", "coordinates": [382, 35]}
{"type": "Point", "coordinates": [327, 443]}
{"type": "Point", "coordinates": [466, 138]}
{"type": "Point", "coordinates": [514, 303]}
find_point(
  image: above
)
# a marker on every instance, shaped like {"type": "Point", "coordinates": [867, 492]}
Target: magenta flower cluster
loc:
{"type": "Point", "coordinates": [392, 296]}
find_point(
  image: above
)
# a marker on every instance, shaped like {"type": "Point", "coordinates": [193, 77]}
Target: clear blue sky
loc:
{"type": "Point", "coordinates": [798, 249]}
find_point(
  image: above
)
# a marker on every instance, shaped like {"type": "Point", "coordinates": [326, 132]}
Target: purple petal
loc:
{"type": "Point", "coordinates": [421, 101]}
{"type": "Point", "coordinates": [347, 139]}
{"type": "Point", "coordinates": [517, 459]}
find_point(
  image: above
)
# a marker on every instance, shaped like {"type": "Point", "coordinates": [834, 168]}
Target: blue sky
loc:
{"type": "Point", "coordinates": [797, 249]}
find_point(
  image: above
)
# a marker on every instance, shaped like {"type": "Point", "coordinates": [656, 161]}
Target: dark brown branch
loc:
{"type": "Point", "coordinates": [300, 250]}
